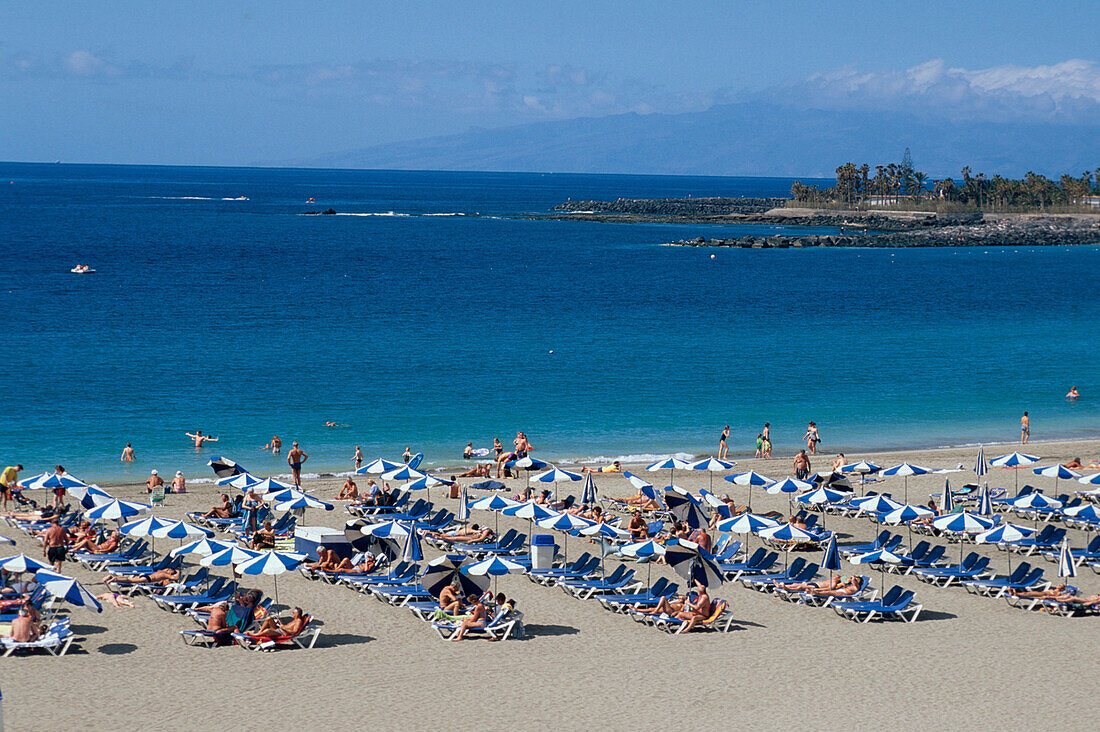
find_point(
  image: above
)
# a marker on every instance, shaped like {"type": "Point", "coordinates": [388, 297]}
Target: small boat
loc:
{"type": "Point", "coordinates": [82, 269]}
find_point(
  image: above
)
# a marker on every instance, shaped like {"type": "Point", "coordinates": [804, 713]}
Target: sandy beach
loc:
{"type": "Point", "coordinates": [968, 660]}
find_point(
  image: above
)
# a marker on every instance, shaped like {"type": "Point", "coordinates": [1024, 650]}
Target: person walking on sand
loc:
{"type": "Point", "coordinates": [358, 457]}
{"type": "Point", "coordinates": [801, 465]}
{"type": "Point", "coordinates": [200, 438]}
{"type": "Point", "coordinates": [812, 438]}
{"type": "Point", "coordinates": [1025, 429]}
{"type": "Point", "coordinates": [127, 454]}
{"type": "Point", "coordinates": [759, 446]}
{"type": "Point", "coordinates": [8, 479]}
{"type": "Point", "coordinates": [723, 447]}
{"type": "Point", "coordinates": [294, 459]}
{"type": "Point", "coordinates": [54, 544]}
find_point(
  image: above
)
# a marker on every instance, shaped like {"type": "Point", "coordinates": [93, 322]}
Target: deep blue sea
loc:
{"type": "Point", "coordinates": [415, 326]}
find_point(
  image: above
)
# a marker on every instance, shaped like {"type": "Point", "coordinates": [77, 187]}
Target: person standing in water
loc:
{"type": "Point", "coordinates": [200, 438]}
{"type": "Point", "coordinates": [294, 459]}
{"type": "Point", "coordinates": [1072, 393]}
{"type": "Point", "coordinates": [1025, 429]}
{"type": "Point", "coordinates": [407, 455]}
{"type": "Point", "coordinates": [358, 457]}
{"type": "Point", "coordinates": [723, 447]}
{"type": "Point", "coordinates": [127, 454]}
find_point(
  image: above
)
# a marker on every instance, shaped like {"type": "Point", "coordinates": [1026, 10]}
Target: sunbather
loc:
{"type": "Point", "coordinates": [478, 471]}
{"type": "Point", "coordinates": [643, 502]}
{"type": "Point", "coordinates": [327, 561]}
{"type": "Point", "coordinates": [692, 611]}
{"type": "Point", "coordinates": [702, 538]}
{"type": "Point", "coordinates": [476, 619]}
{"type": "Point", "coordinates": [224, 510]}
{"type": "Point", "coordinates": [367, 565]}
{"type": "Point", "coordinates": [1051, 594]}
{"type": "Point", "coordinates": [829, 584]}
{"type": "Point", "coordinates": [637, 527]}
{"type": "Point", "coordinates": [23, 628]}
{"type": "Point", "coordinates": [161, 577]}
{"type": "Point", "coordinates": [87, 544]}
{"type": "Point", "coordinates": [116, 600]}
{"type": "Point", "coordinates": [472, 535]}
{"type": "Point", "coordinates": [263, 538]}
{"type": "Point", "coordinates": [350, 491]}
{"type": "Point", "coordinates": [450, 599]}
{"type": "Point", "coordinates": [274, 627]}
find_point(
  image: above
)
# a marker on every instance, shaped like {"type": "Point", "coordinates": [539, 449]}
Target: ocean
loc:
{"type": "Point", "coordinates": [433, 314]}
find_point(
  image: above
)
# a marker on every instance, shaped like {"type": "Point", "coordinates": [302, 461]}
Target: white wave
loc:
{"type": "Point", "coordinates": [387, 213]}
{"type": "Point", "coordinates": [635, 458]}
{"type": "Point", "coordinates": [580, 212]}
{"type": "Point", "coordinates": [451, 213]}
{"type": "Point", "coordinates": [187, 198]}
{"type": "Point", "coordinates": [238, 198]}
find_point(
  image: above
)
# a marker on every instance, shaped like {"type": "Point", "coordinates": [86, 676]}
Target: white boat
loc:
{"type": "Point", "coordinates": [82, 270]}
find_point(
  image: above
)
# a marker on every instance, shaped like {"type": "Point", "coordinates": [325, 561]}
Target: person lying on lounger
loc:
{"type": "Point", "coordinates": [327, 561]}
{"type": "Point", "coordinates": [217, 622]}
{"type": "Point", "coordinates": [684, 608]}
{"type": "Point", "coordinates": [263, 538]}
{"type": "Point", "coordinates": [472, 535]}
{"type": "Point", "coordinates": [1052, 594]}
{"type": "Point", "coordinates": [643, 502]}
{"type": "Point", "coordinates": [160, 577]}
{"type": "Point", "coordinates": [274, 627]}
{"type": "Point", "coordinates": [367, 565]}
{"type": "Point", "coordinates": [478, 617]}
{"type": "Point", "coordinates": [87, 544]}
{"type": "Point", "coordinates": [224, 510]}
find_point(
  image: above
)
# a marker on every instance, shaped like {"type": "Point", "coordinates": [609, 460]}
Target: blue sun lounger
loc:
{"type": "Point", "coordinates": [896, 604]}
{"type": "Point", "coordinates": [1022, 578]}
{"type": "Point", "coordinates": [973, 566]}
{"type": "Point", "coordinates": [582, 568]}
{"type": "Point", "coordinates": [761, 561]}
{"type": "Point", "coordinates": [619, 603]}
{"type": "Point", "coordinates": [621, 580]}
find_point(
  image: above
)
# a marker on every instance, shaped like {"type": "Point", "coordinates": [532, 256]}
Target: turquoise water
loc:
{"type": "Point", "coordinates": [415, 328]}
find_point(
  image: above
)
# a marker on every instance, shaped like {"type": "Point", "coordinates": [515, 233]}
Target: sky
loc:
{"type": "Point", "coordinates": [253, 82]}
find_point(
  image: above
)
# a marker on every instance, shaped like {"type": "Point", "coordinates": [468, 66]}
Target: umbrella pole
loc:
{"type": "Point", "coordinates": [276, 588]}
{"type": "Point", "coordinates": [907, 489]}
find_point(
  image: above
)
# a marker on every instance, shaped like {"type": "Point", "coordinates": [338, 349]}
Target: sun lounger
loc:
{"type": "Point", "coordinates": [500, 627]}
{"type": "Point", "coordinates": [511, 543]}
{"type": "Point", "coordinates": [166, 562]}
{"type": "Point", "coordinates": [402, 573]}
{"type": "Point", "coordinates": [619, 602]}
{"type": "Point", "coordinates": [1049, 538]}
{"type": "Point", "coordinates": [582, 568]}
{"type": "Point", "coordinates": [1089, 553]}
{"type": "Point", "coordinates": [720, 619]}
{"type": "Point", "coordinates": [1029, 579]}
{"type": "Point", "coordinates": [884, 540]}
{"type": "Point", "coordinates": [131, 555]}
{"type": "Point", "coordinates": [896, 604]}
{"type": "Point", "coordinates": [761, 561]}
{"type": "Point", "coordinates": [865, 591]}
{"type": "Point", "coordinates": [804, 573]}
{"type": "Point", "coordinates": [306, 638]}
{"type": "Point", "coordinates": [785, 576]}
{"type": "Point", "coordinates": [55, 641]}
{"type": "Point", "coordinates": [1068, 609]}
{"type": "Point", "coordinates": [973, 566]}
{"type": "Point", "coordinates": [398, 595]}
{"type": "Point", "coordinates": [218, 590]}
{"type": "Point", "coordinates": [621, 580]}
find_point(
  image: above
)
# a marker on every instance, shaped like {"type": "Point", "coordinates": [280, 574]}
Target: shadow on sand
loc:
{"type": "Point", "coordinates": [935, 615]}
{"type": "Point", "coordinates": [534, 630]}
{"type": "Point", "coordinates": [88, 629]}
{"type": "Point", "coordinates": [117, 649]}
{"type": "Point", "coordinates": [342, 639]}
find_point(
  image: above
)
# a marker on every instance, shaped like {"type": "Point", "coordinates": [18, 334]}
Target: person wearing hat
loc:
{"type": "Point", "coordinates": [179, 484]}
{"type": "Point", "coordinates": [154, 481]}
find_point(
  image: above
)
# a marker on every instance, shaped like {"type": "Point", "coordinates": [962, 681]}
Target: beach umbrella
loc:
{"type": "Point", "coordinates": [710, 499]}
{"type": "Point", "coordinates": [494, 503]}
{"type": "Point", "coordinates": [53, 480]}
{"type": "Point", "coordinates": [588, 490]}
{"type": "Point", "coordinates": [685, 507]}
{"type": "Point", "coordinates": [748, 524]}
{"type": "Point", "coordinates": [881, 557]}
{"type": "Point", "coordinates": [1004, 533]}
{"type": "Point", "coordinates": [831, 559]}
{"type": "Point", "coordinates": [864, 468]}
{"type": "Point", "coordinates": [404, 473]}
{"type": "Point", "coordinates": [789, 485]}
{"type": "Point", "coordinates": [1014, 460]}
{"type": "Point", "coordinates": [645, 551]}
{"type": "Point", "coordinates": [1066, 566]}
{"type": "Point", "coordinates": [233, 554]}
{"type": "Point", "coordinates": [268, 485]}
{"type": "Point", "coordinates": [181, 530]}
{"type": "Point", "coordinates": [426, 484]}
{"type": "Point", "coordinates": [412, 551]}
{"type": "Point", "coordinates": [67, 589]}
{"type": "Point", "coordinates": [528, 464]}
{"type": "Point", "coordinates": [1035, 500]}
{"type": "Point", "coordinates": [22, 563]}
{"type": "Point", "coordinates": [1087, 512]}
{"type": "Point", "coordinates": [203, 547]}
{"type": "Point", "coordinates": [532, 512]}
{"type": "Point", "coordinates": [240, 480]}
{"type": "Point", "coordinates": [670, 464]}
{"type": "Point", "coordinates": [640, 483]}
{"type": "Point", "coordinates": [32, 479]}
{"type": "Point", "coordinates": [876, 503]}
{"type": "Point", "coordinates": [445, 570]}
{"type": "Point", "coordinates": [694, 564]}
{"type": "Point", "coordinates": [1093, 479]}
{"type": "Point", "coordinates": [272, 563]}
{"type": "Point", "coordinates": [555, 476]}
{"type": "Point", "coordinates": [985, 502]}
{"type": "Point", "coordinates": [493, 567]}
{"type": "Point", "coordinates": [789, 535]}
{"type": "Point", "coordinates": [962, 523]}
{"type": "Point", "coordinates": [226, 468]}
{"type": "Point", "coordinates": [712, 466]}
{"type": "Point", "coordinates": [146, 527]}
{"type": "Point", "coordinates": [301, 503]}
{"type": "Point", "coordinates": [387, 530]}
{"type": "Point", "coordinates": [947, 500]}
{"type": "Point", "coordinates": [1057, 472]}
{"type": "Point", "coordinates": [980, 465]}
{"type": "Point", "coordinates": [750, 479]}
{"type": "Point", "coordinates": [463, 506]}
{"type": "Point", "coordinates": [116, 510]}
{"type": "Point", "coordinates": [906, 515]}
{"type": "Point", "coordinates": [820, 496]}
{"type": "Point", "coordinates": [376, 467]}
{"type": "Point", "coordinates": [565, 522]}
{"type": "Point", "coordinates": [90, 496]}
{"type": "Point", "coordinates": [605, 532]}
{"type": "Point", "coordinates": [905, 470]}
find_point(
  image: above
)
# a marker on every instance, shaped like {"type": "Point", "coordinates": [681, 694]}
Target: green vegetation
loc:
{"type": "Point", "coordinates": [901, 186]}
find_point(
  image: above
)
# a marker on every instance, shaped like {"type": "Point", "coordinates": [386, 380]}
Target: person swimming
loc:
{"type": "Point", "coordinates": [1073, 394]}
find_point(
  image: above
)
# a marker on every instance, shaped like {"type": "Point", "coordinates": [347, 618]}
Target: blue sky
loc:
{"type": "Point", "coordinates": [234, 83]}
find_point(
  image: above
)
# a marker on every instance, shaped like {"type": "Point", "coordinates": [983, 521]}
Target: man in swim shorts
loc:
{"type": "Point", "coordinates": [1025, 429]}
{"type": "Point", "coordinates": [294, 459]}
{"type": "Point", "coordinates": [54, 544]}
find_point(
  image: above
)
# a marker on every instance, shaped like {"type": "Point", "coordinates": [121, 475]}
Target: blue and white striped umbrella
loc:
{"type": "Point", "coordinates": [789, 485]}
{"type": "Point", "coordinates": [713, 465]}
{"type": "Point", "coordinates": [962, 523]}
{"type": "Point", "coordinates": [606, 530]}
{"type": "Point", "coordinates": [1003, 533]}
{"type": "Point", "coordinates": [90, 496]}
{"type": "Point", "coordinates": [862, 467]}
{"type": "Point", "coordinates": [494, 503]}
{"type": "Point", "coordinates": [905, 470]}
{"type": "Point", "coordinates": [1087, 512]}
{"type": "Point", "coordinates": [1014, 460]}
{"type": "Point", "coordinates": [557, 475]}
{"type": "Point", "coordinates": [463, 506]}
{"type": "Point", "coordinates": [749, 479]}
{"type": "Point", "coordinates": [202, 547]}
{"type": "Point", "coordinates": [831, 558]}
{"type": "Point", "coordinates": [786, 532]}
{"type": "Point", "coordinates": [1066, 565]}
{"type": "Point", "coordinates": [691, 562]}
{"type": "Point", "coordinates": [273, 563]}
{"type": "Point", "coordinates": [822, 495]}
{"type": "Point", "coordinates": [747, 523]}
{"type": "Point", "coordinates": [181, 530]}
{"type": "Point", "coordinates": [301, 503]}
{"type": "Point", "coordinates": [404, 473]}
{"type": "Point", "coordinates": [233, 555]}
{"type": "Point", "coordinates": [117, 510]}
{"type": "Point", "coordinates": [287, 494]}
{"type": "Point", "coordinates": [531, 511]}
{"type": "Point", "coordinates": [881, 557]}
{"type": "Point", "coordinates": [53, 480]}
{"type": "Point", "coordinates": [671, 464]}
{"type": "Point", "coordinates": [378, 466]}
{"type": "Point", "coordinates": [387, 530]}
{"type": "Point", "coordinates": [21, 563]}
{"type": "Point", "coordinates": [985, 501]}
{"type": "Point", "coordinates": [947, 500]}
{"type": "Point", "coordinates": [447, 569]}
{"type": "Point", "coordinates": [268, 485]}
{"type": "Point", "coordinates": [589, 494]}
{"type": "Point", "coordinates": [425, 483]}
{"type": "Point", "coordinates": [1058, 472]}
{"type": "Point", "coordinates": [412, 551]}
{"type": "Point", "coordinates": [906, 513]}
{"type": "Point", "coordinates": [493, 567]}
{"type": "Point", "coordinates": [528, 463]}
{"type": "Point", "coordinates": [876, 503]}
{"type": "Point", "coordinates": [241, 481]}
{"type": "Point", "coordinates": [32, 479]}
{"type": "Point", "coordinates": [146, 526]}
{"type": "Point", "coordinates": [639, 483]}
{"type": "Point", "coordinates": [1036, 500]}
{"type": "Point", "coordinates": [644, 549]}
{"type": "Point", "coordinates": [980, 465]}
{"type": "Point", "coordinates": [67, 589]}
{"type": "Point", "coordinates": [1093, 479]}
{"type": "Point", "coordinates": [564, 522]}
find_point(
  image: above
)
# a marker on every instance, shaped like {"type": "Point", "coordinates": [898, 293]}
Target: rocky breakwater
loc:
{"type": "Point", "coordinates": [990, 230]}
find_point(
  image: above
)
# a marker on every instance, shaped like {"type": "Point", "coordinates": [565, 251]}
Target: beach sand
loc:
{"type": "Point", "coordinates": [968, 660]}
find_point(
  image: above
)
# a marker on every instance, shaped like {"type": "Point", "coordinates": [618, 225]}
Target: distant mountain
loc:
{"type": "Point", "coordinates": [743, 139]}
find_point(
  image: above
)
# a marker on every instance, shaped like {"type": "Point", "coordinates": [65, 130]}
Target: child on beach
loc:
{"type": "Point", "coordinates": [759, 445]}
